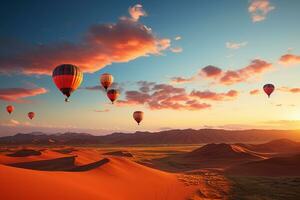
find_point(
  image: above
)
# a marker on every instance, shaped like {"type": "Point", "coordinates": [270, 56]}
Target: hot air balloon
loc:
{"type": "Point", "coordinates": [10, 108]}
{"type": "Point", "coordinates": [113, 94]}
{"type": "Point", "coordinates": [138, 116]}
{"type": "Point", "coordinates": [106, 80]}
{"type": "Point", "coordinates": [269, 88]}
{"type": "Point", "coordinates": [31, 115]}
{"type": "Point", "coordinates": [67, 78]}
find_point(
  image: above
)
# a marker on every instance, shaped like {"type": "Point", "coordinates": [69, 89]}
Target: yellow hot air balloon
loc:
{"type": "Point", "coordinates": [106, 80]}
{"type": "Point", "coordinates": [138, 116]}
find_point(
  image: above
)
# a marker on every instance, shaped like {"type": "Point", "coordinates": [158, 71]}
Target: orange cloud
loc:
{"type": "Point", "coordinates": [101, 45]}
{"type": "Point", "coordinates": [208, 95]}
{"type": "Point", "coordinates": [210, 71]}
{"type": "Point", "coordinates": [259, 9]}
{"type": "Point", "coordinates": [254, 92]}
{"type": "Point", "coordinates": [179, 79]}
{"type": "Point", "coordinates": [288, 89]}
{"type": "Point", "coordinates": [162, 96]}
{"type": "Point", "coordinates": [18, 94]}
{"type": "Point", "coordinates": [289, 59]}
{"type": "Point", "coordinates": [136, 12]}
{"type": "Point", "coordinates": [256, 67]}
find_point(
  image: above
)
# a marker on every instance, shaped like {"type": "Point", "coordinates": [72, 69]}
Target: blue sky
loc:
{"type": "Point", "coordinates": [204, 27]}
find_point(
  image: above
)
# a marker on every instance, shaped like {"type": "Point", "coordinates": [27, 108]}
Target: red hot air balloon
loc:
{"type": "Point", "coordinates": [113, 95]}
{"type": "Point", "coordinates": [67, 78]}
{"type": "Point", "coordinates": [10, 109]}
{"type": "Point", "coordinates": [31, 115]}
{"type": "Point", "coordinates": [269, 88]}
{"type": "Point", "coordinates": [106, 80]}
{"type": "Point", "coordinates": [138, 116]}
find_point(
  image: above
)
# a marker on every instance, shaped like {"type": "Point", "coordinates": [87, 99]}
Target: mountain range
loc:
{"type": "Point", "coordinates": [186, 136]}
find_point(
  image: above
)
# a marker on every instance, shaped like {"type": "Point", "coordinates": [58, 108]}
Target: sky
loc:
{"type": "Point", "coordinates": [195, 64]}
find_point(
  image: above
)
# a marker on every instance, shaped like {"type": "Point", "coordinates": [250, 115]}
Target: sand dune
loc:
{"type": "Point", "coordinates": [277, 166]}
{"type": "Point", "coordinates": [44, 155]}
{"type": "Point", "coordinates": [119, 153]}
{"type": "Point", "coordinates": [25, 153]}
{"type": "Point", "coordinates": [116, 180]}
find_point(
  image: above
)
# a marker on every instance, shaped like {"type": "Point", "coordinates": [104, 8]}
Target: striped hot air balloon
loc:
{"type": "Point", "coordinates": [10, 109]}
{"type": "Point", "coordinates": [113, 95]}
{"type": "Point", "coordinates": [269, 88]}
{"type": "Point", "coordinates": [106, 80]}
{"type": "Point", "coordinates": [138, 116]}
{"type": "Point", "coordinates": [31, 115]}
{"type": "Point", "coordinates": [67, 78]}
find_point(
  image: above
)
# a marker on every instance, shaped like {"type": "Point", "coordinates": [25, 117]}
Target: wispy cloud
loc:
{"type": "Point", "coordinates": [235, 45]}
{"type": "Point", "coordinates": [259, 9]}
{"type": "Point", "coordinates": [254, 92]}
{"type": "Point", "coordinates": [289, 59]}
{"type": "Point", "coordinates": [176, 49]}
{"type": "Point", "coordinates": [177, 38]}
{"type": "Point", "coordinates": [18, 94]}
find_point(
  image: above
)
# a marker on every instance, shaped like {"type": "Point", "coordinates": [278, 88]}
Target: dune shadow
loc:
{"type": "Point", "coordinates": [59, 164]}
{"type": "Point", "coordinates": [119, 153]}
{"type": "Point", "coordinates": [24, 153]}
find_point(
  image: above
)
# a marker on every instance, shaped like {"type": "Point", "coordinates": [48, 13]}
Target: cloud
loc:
{"type": "Point", "coordinates": [254, 92]}
{"type": "Point", "coordinates": [176, 49]}
{"type": "Point", "coordinates": [233, 45]}
{"type": "Point", "coordinates": [177, 38]}
{"type": "Point", "coordinates": [102, 44]}
{"type": "Point", "coordinates": [178, 80]}
{"type": "Point", "coordinates": [210, 71]}
{"type": "Point", "coordinates": [114, 85]}
{"type": "Point", "coordinates": [288, 89]}
{"type": "Point", "coordinates": [162, 96]}
{"type": "Point", "coordinates": [259, 9]}
{"type": "Point", "coordinates": [256, 67]}
{"type": "Point", "coordinates": [289, 59]}
{"type": "Point", "coordinates": [136, 12]}
{"type": "Point", "coordinates": [208, 95]}
{"type": "Point", "coordinates": [229, 77]}
{"type": "Point", "coordinates": [18, 94]}
{"type": "Point", "coordinates": [104, 110]}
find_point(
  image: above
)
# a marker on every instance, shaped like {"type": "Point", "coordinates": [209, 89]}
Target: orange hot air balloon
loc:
{"type": "Point", "coordinates": [269, 88]}
{"type": "Point", "coordinates": [31, 115]}
{"type": "Point", "coordinates": [138, 116]}
{"type": "Point", "coordinates": [10, 109]}
{"type": "Point", "coordinates": [113, 95]}
{"type": "Point", "coordinates": [106, 80]}
{"type": "Point", "coordinates": [67, 78]}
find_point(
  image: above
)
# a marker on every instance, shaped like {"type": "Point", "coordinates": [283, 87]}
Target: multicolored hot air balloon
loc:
{"type": "Point", "coordinates": [67, 78]}
{"type": "Point", "coordinates": [113, 94]}
{"type": "Point", "coordinates": [106, 80]}
{"type": "Point", "coordinates": [138, 116]}
{"type": "Point", "coordinates": [31, 115]}
{"type": "Point", "coordinates": [10, 109]}
{"type": "Point", "coordinates": [269, 88]}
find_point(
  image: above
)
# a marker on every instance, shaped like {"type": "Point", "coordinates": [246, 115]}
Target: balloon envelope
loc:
{"type": "Point", "coordinates": [10, 109]}
{"type": "Point", "coordinates": [31, 115]}
{"type": "Point", "coordinates": [138, 116]}
{"type": "Point", "coordinates": [67, 78]}
{"type": "Point", "coordinates": [106, 80]}
{"type": "Point", "coordinates": [113, 95]}
{"type": "Point", "coordinates": [268, 89]}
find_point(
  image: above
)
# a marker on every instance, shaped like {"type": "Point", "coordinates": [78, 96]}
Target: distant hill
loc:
{"type": "Point", "coordinates": [277, 166]}
{"type": "Point", "coordinates": [275, 146]}
{"type": "Point", "coordinates": [187, 136]}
